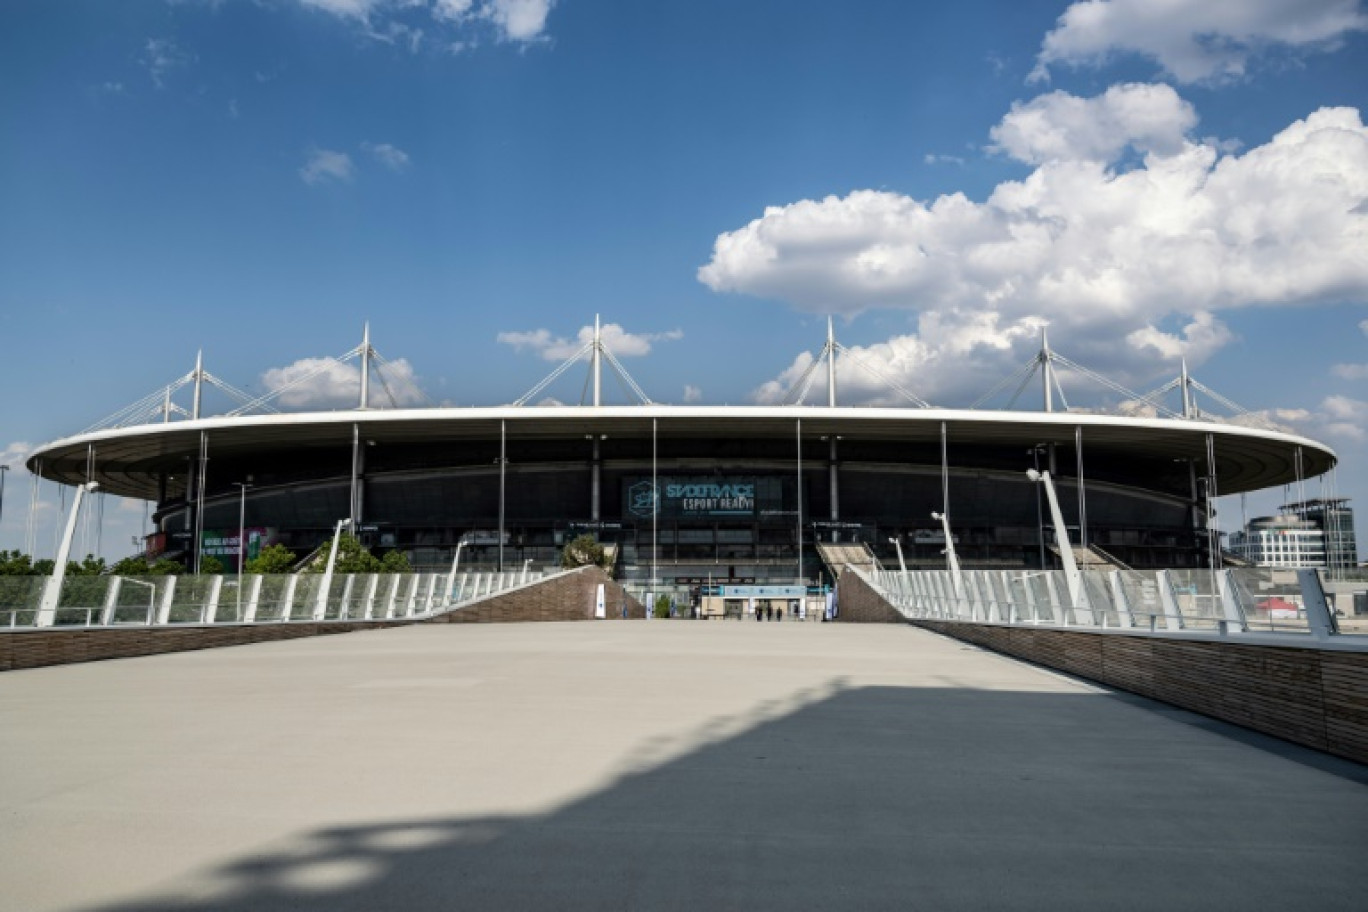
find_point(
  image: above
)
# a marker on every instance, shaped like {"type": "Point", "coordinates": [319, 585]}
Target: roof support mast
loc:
{"type": "Point", "coordinates": [831, 365]}
{"type": "Point", "coordinates": [365, 367]}
{"type": "Point", "coordinates": [199, 383]}
{"type": "Point", "coordinates": [597, 367]}
{"type": "Point", "coordinates": [1185, 382]}
{"type": "Point", "coordinates": [1047, 369]}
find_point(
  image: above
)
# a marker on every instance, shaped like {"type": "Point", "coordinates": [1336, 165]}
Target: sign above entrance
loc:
{"type": "Point", "coordinates": [702, 497]}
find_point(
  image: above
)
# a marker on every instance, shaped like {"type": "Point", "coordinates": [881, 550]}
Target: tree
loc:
{"type": "Point", "coordinates": [581, 552]}
{"type": "Point", "coordinates": [15, 563]}
{"type": "Point", "coordinates": [164, 566]}
{"type": "Point", "coordinates": [91, 566]}
{"type": "Point", "coordinates": [210, 565]}
{"type": "Point", "coordinates": [271, 559]}
{"type": "Point", "coordinates": [395, 562]}
{"type": "Point", "coordinates": [352, 557]}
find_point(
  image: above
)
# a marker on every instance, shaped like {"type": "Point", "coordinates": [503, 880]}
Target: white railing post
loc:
{"type": "Point", "coordinates": [344, 610]}
{"type": "Point", "coordinates": [1230, 603]}
{"type": "Point", "coordinates": [1173, 615]}
{"type": "Point", "coordinates": [411, 599]}
{"type": "Point", "coordinates": [1124, 617]}
{"type": "Point", "coordinates": [392, 596]}
{"type": "Point", "coordinates": [1061, 614]}
{"type": "Point", "coordinates": [1318, 615]}
{"type": "Point", "coordinates": [253, 598]}
{"type": "Point", "coordinates": [168, 597]}
{"type": "Point", "coordinates": [431, 594]}
{"type": "Point", "coordinates": [372, 584]}
{"type": "Point", "coordinates": [209, 610]}
{"type": "Point", "coordinates": [287, 597]}
{"type": "Point", "coordinates": [111, 601]}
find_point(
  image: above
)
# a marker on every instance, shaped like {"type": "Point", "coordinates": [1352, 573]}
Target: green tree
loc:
{"type": "Point", "coordinates": [352, 557]}
{"type": "Point", "coordinates": [271, 559]}
{"type": "Point", "coordinates": [210, 565]}
{"type": "Point", "coordinates": [44, 567]}
{"type": "Point", "coordinates": [395, 562]}
{"type": "Point", "coordinates": [581, 552]}
{"type": "Point", "coordinates": [15, 563]}
{"type": "Point", "coordinates": [164, 566]}
{"type": "Point", "coordinates": [91, 566]}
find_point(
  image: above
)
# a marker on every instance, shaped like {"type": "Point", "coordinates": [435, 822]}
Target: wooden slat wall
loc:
{"type": "Point", "coordinates": [1314, 697]}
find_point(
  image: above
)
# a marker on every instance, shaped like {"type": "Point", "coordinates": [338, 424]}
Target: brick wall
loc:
{"type": "Point", "coordinates": [857, 603]}
{"type": "Point", "coordinates": [30, 648]}
{"type": "Point", "coordinates": [1314, 697]}
{"type": "Point", "coordinates": [569, 597]}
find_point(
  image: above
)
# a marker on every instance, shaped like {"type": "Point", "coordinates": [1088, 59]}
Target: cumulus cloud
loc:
{"type": "Point", "coordinates": [325, 165]}
{"type": "Point", "coordinates": [558, 348]}
{"type": "Point", "coordinates": [392, 157]}
{"type": "Point", "coordinates": [692, 394]}
{"type": "Point", "coordinates": [322, 383]}
{"type": "Point", "coordinates": [1194, 40]}
{"type": "Point", "coordinates": [1350, 371]}
{"type": "Point", "coordinates": [1131, 264]}
{"type": "Point", "coordinates": [1059, 126]}
{"type": "Point", "coordinates": [14, 455]}
{"type": "Point", "coordinates": [460, 22]}
{"type": "Point", "coordinates": [160, 56]}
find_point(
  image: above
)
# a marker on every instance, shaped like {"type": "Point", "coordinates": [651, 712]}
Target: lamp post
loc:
{"type": "Point", "coordinates": [242, 487]}
{"type": "Point", "coordinates": [897, 543]}
{"type": "Point", "coordinates": [951, 558]}
{"type": "Point", "coordinates": [455, 563]}
{"type": "Point", "coordinates": [1078, 597]}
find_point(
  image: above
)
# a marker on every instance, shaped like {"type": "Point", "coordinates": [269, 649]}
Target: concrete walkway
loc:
{"type": "Point", "coordinates": [648, 765]}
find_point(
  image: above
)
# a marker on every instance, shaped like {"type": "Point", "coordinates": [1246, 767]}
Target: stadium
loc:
{"type": "Point", "coordinates": [686, 492]}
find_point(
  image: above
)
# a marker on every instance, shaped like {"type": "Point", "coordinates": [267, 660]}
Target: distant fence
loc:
{"type": "Point", "coordinates": [153, 601]}
{"type": "Point", "coordinates": [1220, 601]}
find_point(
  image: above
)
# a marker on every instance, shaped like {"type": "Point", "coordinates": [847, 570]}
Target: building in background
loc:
{"type": "Point", "coordinates": [1335, 518]}
{"type": "Point", "coordinates": [1280, 541]}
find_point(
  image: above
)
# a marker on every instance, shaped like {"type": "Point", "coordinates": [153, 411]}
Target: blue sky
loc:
{"type": "Point", "coordinates": [478, 178]}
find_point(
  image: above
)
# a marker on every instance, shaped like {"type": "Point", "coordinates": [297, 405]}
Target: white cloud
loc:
{"type": "Point", "coordinates": [1194, 40]}
{"type": "Point", "coordinates": [335, 384]}
{"type": "Point", "coordinates": [459, 21]}
{"type": "Point", "coordinates": [692, 393]}
{"type": "Point", "coordinates": [933, 158]}
{"type": "Point", "coordinates": [1339, 420]}
{"type": "Point", "coordinates": [1059, 126]}
{"type": "Point", "coordinates": [519, 20]}
{"type": "Point", "coordinates": [1350, 371]}
{"type": "Point", "coordinates": [160, 56]}
{"type": "Point", "coordinates": [325, 165]}
{"type": "Point", "coordinates": [1129, 266]}
{"type": "Point", "coordinates": [14, 455]}
{"type": "Point", "coordinates": [1200, 339]}
{"type": "Point", "coordinates": [392, 157]}
{"type": "Point", "coordinates": [615, 338]}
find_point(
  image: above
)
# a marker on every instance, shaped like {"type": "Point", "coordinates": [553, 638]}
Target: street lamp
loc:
{"type": "Point", "coordinates": [951, 558]}
{"type": "Point", "coordinates": [242, 487]}
{"type": "Point", "coordinates": [1072, 578]}
{"type": "Point", "coordinates": [897, 543]}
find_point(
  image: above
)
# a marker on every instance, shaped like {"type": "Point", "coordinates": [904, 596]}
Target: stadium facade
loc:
{"type": "Point", "coordinates": [687, 492]}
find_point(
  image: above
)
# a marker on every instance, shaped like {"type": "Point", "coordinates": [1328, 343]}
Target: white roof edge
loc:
{"type": "Point", "coordinates": [657, 410]}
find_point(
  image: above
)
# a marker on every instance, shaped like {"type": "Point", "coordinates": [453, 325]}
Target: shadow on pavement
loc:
{"type": "Point", "coordinates": [873, 798]}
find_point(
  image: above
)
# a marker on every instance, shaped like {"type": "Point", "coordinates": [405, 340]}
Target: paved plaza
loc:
{"type": "Point", "coordinates": [648, 765]}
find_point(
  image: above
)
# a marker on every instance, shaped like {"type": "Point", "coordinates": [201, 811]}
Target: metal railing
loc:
{"type": "Point", "coordinates": [127, 601]}
{"type": "Point", "coordinates": [1246, 600]}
